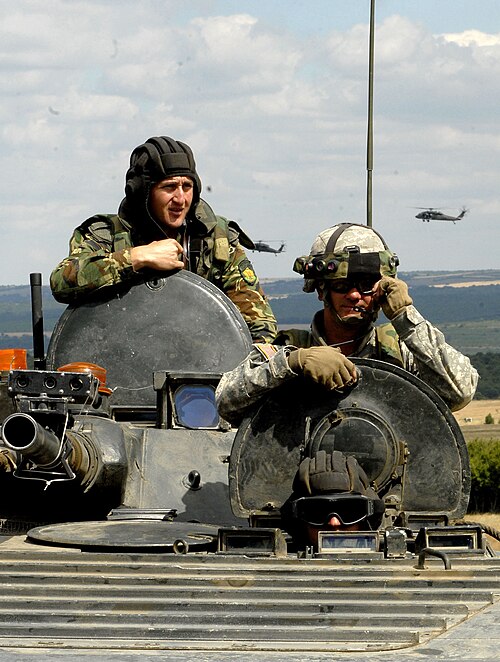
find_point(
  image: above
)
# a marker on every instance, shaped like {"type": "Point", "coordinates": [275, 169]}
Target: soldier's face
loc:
{"type": "Point", "coordinates": [170, 200]}
{"type": "Point", "coordinates": [352, 300]}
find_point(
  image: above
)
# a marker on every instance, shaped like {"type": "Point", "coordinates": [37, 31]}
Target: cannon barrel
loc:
{"type": "Point", "coordinates": [21, 433]}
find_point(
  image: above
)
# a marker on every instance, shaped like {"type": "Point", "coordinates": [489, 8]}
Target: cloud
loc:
{"type": "Point", "coordinates": [473, 38]}
{"type": "Point", "coordinates": [277, 120]}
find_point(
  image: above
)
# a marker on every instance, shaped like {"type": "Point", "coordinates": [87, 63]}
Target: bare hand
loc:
{"type": "Point", "coordinates": [163, 255]}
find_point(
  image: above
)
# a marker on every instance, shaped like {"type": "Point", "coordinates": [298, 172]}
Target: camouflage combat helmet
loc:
{"type": "Point", "coordinates": [157, 159]}
{"type": "Point", "coordinates": [343, 250]}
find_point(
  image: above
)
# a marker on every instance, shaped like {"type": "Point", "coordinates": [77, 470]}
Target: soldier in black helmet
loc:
{"type": "Point", "coordinates": [164, 225]}
{"type": "Point", "coordinates": [331, 492]}
{"type": "Point", "coordinates": [354, 274]}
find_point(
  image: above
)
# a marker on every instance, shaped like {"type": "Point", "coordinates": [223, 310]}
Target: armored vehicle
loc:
{"type": "Point", "coordinates": [137, 524]}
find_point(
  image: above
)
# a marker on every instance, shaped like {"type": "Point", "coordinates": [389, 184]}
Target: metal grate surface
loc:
{"type": "Point", "coordinates": [208, 602]}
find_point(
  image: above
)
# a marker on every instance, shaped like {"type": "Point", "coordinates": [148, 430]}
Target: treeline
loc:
{"type": "Point", "coordinates": [485, 475]}
{"type": "Point", "coordinates": [439, 304]}
{"type": "Point", "coordinates": [15, 310]}
{"type": "Point", "coordinates": [488, 367]}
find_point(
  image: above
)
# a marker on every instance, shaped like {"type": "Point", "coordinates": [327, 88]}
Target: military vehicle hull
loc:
{"type": "Point", "coordinates": [67, 604]}
{"type": "Point", "coordinates": [143, 549]}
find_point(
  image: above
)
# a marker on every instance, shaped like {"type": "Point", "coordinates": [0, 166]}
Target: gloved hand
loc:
{"type": "Point", "coordinates": [393, 296]}
{"type": "Point", "coordinates": [7, 462]}
{"type": "Point", "coordinates": [325, 365]}
{"type": "Point", "coordinates": [331, 472]}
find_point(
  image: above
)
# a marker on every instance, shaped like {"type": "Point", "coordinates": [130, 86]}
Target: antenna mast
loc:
{"type": "Point", "coordinates": [369, 139]}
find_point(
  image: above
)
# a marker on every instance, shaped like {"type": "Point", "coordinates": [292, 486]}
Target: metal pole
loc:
{"type": "Point", "coordinates": [369, 139]}
{"type": "Point", "coordinates": [37, 321]}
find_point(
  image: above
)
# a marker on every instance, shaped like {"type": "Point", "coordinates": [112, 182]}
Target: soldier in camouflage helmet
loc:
{"type": "Point", "coordinates": [163, 225]}
{"type": "Point", "coordinates": [354, 274]}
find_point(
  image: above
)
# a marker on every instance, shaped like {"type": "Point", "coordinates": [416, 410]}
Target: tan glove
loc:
{"type": "Point", "coordinates": [393, 296]}
{"type": "Point", "coordinates": [7, 462]}
{"type": "Point", "coordinates": [325, 365]}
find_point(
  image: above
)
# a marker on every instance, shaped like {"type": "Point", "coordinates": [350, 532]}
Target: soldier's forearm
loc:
{"type": "Point", "coordinates": [448, 371]}
{"type": "Point", "coordinates": [77, 276]}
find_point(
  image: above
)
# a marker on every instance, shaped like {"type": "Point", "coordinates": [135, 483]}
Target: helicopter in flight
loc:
{"type": "Point", "coordinates": [263, 247]}
{"type": "Point", "coordinates": [433, 214]}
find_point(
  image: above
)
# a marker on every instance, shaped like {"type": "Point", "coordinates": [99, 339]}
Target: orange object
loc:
{"type": "Point", "coordinates": [13, 359]}
{"type": "Point", "coordinates": [96, 370]}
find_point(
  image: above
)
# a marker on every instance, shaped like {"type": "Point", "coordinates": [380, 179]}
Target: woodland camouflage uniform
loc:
{"type": "Point", "coordinates": [100, 254]}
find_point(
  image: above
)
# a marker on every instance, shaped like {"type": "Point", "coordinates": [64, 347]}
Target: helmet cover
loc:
{"type": "Point", "coordinates": [343, 250]}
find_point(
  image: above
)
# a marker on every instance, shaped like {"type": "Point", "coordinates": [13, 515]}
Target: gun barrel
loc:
{"type": "Point", "coordinates": [21, 433]}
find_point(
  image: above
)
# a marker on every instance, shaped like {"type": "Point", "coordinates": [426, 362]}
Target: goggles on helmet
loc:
{"type": "Point", "coordinates": [348, 508]}
{"type": "Point", "coordinates": [333, 266]}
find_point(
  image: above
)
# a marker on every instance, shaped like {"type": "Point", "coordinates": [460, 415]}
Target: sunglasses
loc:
{"type": "Point", "coordinates": [363, 285]}
{"type": "Point", "coordinates": [318, 510]}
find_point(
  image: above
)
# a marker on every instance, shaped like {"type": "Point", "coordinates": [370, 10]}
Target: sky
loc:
{"type": "Point", "coordinates": [272, 98]}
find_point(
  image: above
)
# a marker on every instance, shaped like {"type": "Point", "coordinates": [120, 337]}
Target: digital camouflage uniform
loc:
{"type": "Point", "coordinates": [409, 341]}
{"type": "Point", "coordinates": [349, 251]}
{"type": "Point", "coordinates": [100, 247]}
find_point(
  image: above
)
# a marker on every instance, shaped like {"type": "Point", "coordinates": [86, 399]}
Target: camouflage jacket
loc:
{"type": "Point", "coordinates": [410, 341]}
{"type": "Point", "coordinates": [100, 256]}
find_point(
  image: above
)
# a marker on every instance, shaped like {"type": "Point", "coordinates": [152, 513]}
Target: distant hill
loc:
{"type": "Point", "coordinates": [439, 305]}
{"type": "Point", "coordinates": [15, 309]}
{"type": "Point", "coordinates": [413, 278]}
{"type": "Point", "coordinates": [464, 304]}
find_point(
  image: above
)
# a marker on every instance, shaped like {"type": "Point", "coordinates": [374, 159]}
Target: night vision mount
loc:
{"type": "Point", "coordinates": [348, 262]}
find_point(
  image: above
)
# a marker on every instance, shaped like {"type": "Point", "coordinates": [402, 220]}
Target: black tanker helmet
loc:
{"type": "Point", "coordinates": [155, 160]}
{"type": "Point", "coordinates": [332, 483]}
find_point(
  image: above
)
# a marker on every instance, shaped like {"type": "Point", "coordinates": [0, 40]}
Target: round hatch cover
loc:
{"type": "Point", "coordinates": [177, 323]}
{"type": "Point", "coordinates": [396, 426]}
{"type": "Point", "coordinates": [144, 535]}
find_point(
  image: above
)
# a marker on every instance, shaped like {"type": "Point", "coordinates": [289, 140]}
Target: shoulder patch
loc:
{"type": "Point", "coordinates": [247, 272]}
{"type": "Point", "coordinates": [267, 350]}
